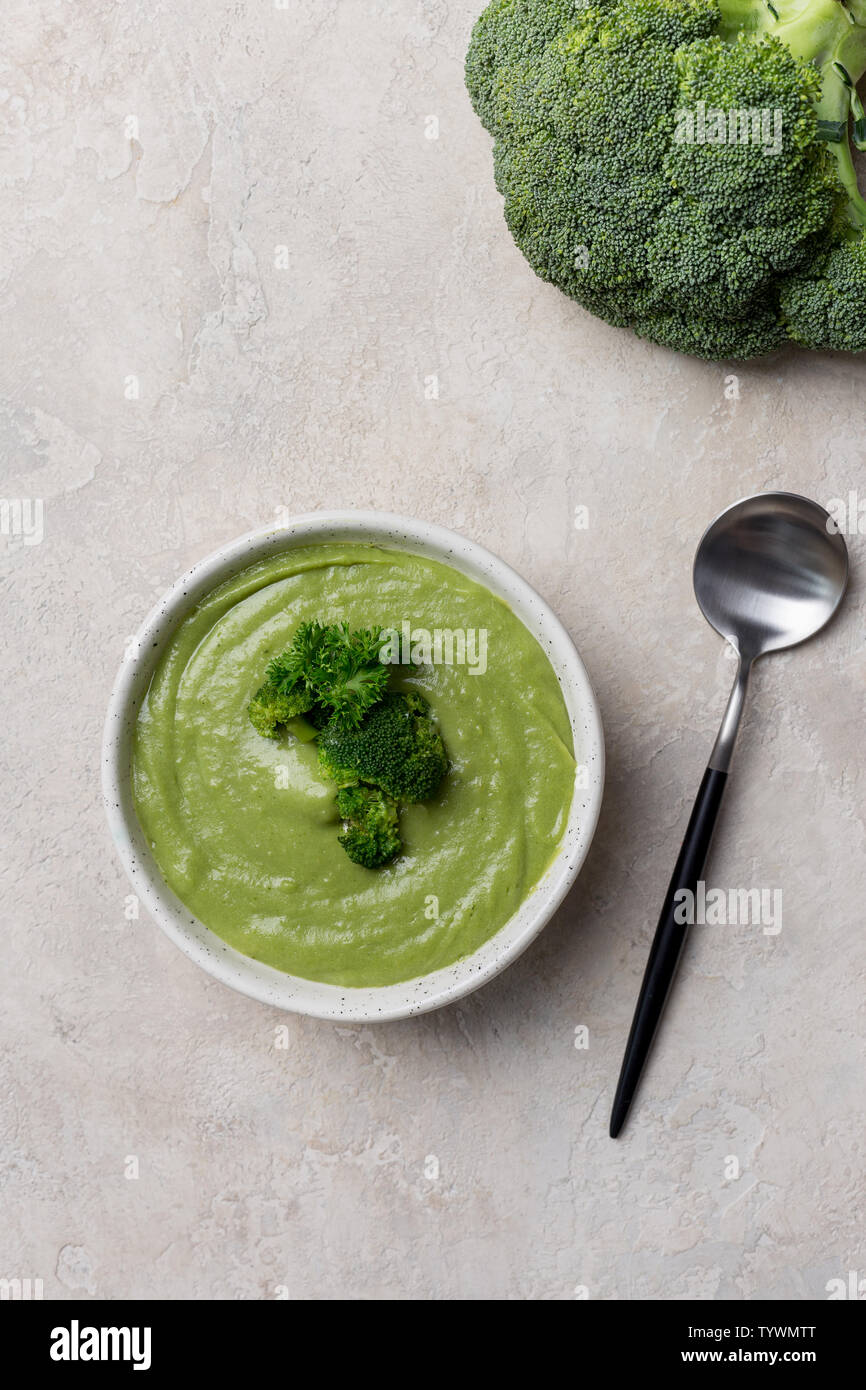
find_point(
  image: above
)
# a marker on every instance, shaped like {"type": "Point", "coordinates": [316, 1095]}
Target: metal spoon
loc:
{"type": "Point", "coordinates": [769, 572]}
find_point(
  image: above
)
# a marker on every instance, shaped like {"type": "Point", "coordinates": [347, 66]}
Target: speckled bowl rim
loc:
{"type": "Point", "coordinates": [263, 982]}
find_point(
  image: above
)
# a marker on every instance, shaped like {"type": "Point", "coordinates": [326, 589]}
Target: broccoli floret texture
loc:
{"type": "Point", "coordinates": [380, 747]}
{"type": "Point", "coordinates": [721, 250]}
{"type": "Point", "coordinates": [270, 708]}
{"type": "Point", "coordinates": [372, 834]}
{"type": "Point", "coordinates": [397, 748]}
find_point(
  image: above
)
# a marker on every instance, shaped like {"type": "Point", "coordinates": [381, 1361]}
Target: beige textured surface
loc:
{"type": "Point", "coordinates": [307, 386]}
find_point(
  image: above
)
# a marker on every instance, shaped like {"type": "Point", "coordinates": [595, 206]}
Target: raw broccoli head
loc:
{"type": "Point", "coordinates": [371, 836]}
{"type": "Point", "coordinates": [726, 237]}
{"type": "Point", "coordinates": [396, 747]}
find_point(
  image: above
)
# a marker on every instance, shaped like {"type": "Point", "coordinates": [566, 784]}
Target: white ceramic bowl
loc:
{"type": "Point", "coordinates": [262, 981]}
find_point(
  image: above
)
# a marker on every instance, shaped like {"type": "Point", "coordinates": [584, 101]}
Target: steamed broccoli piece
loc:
{"type": "Point", "coordinates": [371, 836]}
{"type": "Point", "coordinates": [721, 248]}
{"type": "Point", "coordinates": [397, 747]}
{"type": "Point", "coordinates": [380, 748]}
{"type": "Point", "coordinates": [271, 708]}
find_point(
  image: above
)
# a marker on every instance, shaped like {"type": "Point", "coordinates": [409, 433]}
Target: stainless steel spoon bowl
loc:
{"type": "Point", "coordinates": [769, 572]}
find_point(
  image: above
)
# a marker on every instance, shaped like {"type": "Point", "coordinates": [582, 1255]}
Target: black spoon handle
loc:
{"type": "Point", "coordinates": [667, 943]}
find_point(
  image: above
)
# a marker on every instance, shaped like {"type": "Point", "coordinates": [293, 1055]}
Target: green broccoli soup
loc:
{"type": "Point", "coordinates": [256, 824]}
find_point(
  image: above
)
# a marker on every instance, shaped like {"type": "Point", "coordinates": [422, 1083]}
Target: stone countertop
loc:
{"type": "Point", "coordinates": [255, 264]}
